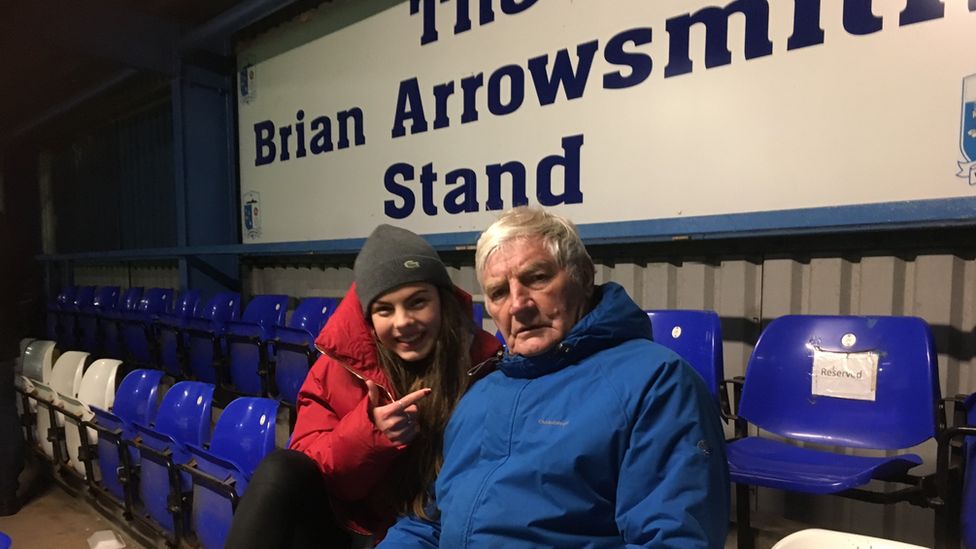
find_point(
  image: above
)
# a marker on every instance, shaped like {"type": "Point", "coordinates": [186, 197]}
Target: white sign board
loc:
{"type": "Point", "coordinates": [633, 118]}
{"type": "Point", "coordinates": [845, 375]}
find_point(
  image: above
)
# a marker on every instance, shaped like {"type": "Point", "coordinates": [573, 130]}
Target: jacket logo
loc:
{"type": "Point", "coordinates": [553, 422]}
{"type": "Point", "coordinates": [411, 264]}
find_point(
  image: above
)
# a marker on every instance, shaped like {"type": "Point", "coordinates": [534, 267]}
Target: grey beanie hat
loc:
{"type": "Point", "coordinates": [393, 257]}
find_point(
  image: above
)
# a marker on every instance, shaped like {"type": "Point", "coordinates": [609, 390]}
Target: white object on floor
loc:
{"type": "Point", "coordinates": [816, 538]}
{"type": "Point", "coordinates": [105, 539]}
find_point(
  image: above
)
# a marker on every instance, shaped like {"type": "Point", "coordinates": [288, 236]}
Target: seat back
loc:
{"type": "Point", "coordinates": [184, 413]}
{"type": "Point", "coordinates": [312, 313]}
{"type": "Point", "coordinates": [38, 360]}
{"type": "Point", "coordinates": [67, 373]}
{"type": "Point", "coordinates": [106, 298]}
{"type": "Point", "coordinates": [137, 398]}
{"type": "Point", "coordinates": [136, 401]}
{"type": "Point", "coordinates": [65, 380]}
{"type": "Point", "coordinates": [243, 435]}
{"type": "Point", "coordinates": [294, 354]}
{"type": "Point", "coordinates": [137, 330]}
{"type": "Point", "coordinates": [222, 307]}
{"type": "Point", "coordinates": [112, 323]}
{"type": "Point", "coordinates": [266, 310]}
{"type": "Point", "coordinates": [262, 315]}
{"type": "Point", "coordinates": [696, 336]}
{"type": "Point", "coordinates": [245, 432]}
{"type": "Point", "coordinates": [187, 304]}
{"type": "Point", "coordinates": [83, 298]}
{"type": "Point", "coordinates": [97, 389]}
{"type": "Point", "coordinates": [800, 359]}
{"type": "Point", "coordinates": [130, 299]}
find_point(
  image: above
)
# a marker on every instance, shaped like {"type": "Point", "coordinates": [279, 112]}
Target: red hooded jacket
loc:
{"type": "Point", "coordinates": [334, 427]}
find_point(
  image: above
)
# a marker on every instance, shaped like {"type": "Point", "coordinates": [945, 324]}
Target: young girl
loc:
{"type": "Point", "coordinates": [371, 415]}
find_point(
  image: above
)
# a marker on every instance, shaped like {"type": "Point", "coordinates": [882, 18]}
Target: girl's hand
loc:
{"type": "Point", "coordinates": [397, 420]}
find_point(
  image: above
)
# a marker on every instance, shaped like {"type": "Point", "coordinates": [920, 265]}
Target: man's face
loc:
{"type": "Point", "coordinates": [532, 300]}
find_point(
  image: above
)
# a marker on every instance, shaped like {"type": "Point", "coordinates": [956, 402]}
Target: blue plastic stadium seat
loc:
{"type": "Point", "coordinates": [792, 390]}
{"type": "Point", "coordinates": [294, 345]}
{"type": "Point", "coordinates": [5, 541]}
{"type": "Point", "coordinates": [168, 330]}
{"type": "Point", "coordinates": [204, 347]}
{"type": "Point", "coordinates": [243, 435]}
{"type": "Point", "coordinates": [56, 309]}
{"type": "Point", "coordinates": [112, 321]}
{"type": "Point", "coordinates": [478, 314]}
{"type": "Point", "coordinates": [183, 418]}
{"type": "Point", "coordinates": [246, 343]}
{"type": "Point", "coordinates": [136, 401]}
{"type": "Point", "coordinates": [90, 332]}
{"type": "Point", "coordinates": [697, 337]}
{"type": "Point", "coordinates": [69, 337]}
{"type": "Point", "coordinates": [138, 339]}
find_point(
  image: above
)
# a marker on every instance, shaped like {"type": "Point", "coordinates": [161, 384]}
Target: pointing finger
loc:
{"type": "Point", "coordinates": [412, 398]}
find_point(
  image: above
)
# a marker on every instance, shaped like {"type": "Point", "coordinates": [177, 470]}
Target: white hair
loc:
{"type": "Point", "coordinates": [559, 236]}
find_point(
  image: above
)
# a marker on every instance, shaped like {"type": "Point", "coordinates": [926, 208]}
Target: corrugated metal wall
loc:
{"type": "Point", "coordinates": [113, 188]}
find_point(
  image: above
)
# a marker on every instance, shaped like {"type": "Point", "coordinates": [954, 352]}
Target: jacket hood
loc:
{"type": "Point", "coordinates": [347, 336]}
{"type": "Point", "coordinates": [614, 319]}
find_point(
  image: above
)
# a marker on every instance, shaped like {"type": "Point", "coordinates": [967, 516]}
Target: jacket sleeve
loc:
{"type": "Point", "coordinates": [412, 532]}
{"type": "Point", "coordinates": [352, 454]}
{"type": "Point", "coordinates": [673, 489]}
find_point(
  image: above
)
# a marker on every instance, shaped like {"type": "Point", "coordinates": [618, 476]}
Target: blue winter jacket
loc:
{"type": "Point", "coordinates": [606, 440]}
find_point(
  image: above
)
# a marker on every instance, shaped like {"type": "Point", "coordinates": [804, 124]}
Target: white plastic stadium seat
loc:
{"type": "Point", "coordinates": [97, 389]}
{"type": "Point", "coordinates": [37, 361]}
{"type": "Point", "coordinates": [65, 379]}
{"type": "Point", "coordinates": [815, 538]}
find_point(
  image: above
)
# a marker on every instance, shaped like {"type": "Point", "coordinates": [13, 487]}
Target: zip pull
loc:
{"type": "Point", "coordinates": [357, 375]}
{"type": "Point", "coordinates": [495, 359]}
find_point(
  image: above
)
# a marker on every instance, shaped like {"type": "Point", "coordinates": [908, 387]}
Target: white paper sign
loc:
{"type": "Point", "coordinates": [845, 375]}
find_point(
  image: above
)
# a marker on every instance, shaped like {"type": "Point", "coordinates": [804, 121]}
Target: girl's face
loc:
{"type": "Point", "coordinates": [408, 319]}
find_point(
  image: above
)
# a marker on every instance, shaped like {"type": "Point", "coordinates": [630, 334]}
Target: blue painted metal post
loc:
{"type": "Point", "coordinates": [205, 176]}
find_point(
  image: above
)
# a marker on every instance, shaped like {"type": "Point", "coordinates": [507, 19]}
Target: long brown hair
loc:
{"type": "Point", "coordinates": [444, 371]}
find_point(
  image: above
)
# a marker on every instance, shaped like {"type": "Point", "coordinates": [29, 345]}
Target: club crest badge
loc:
{"type": "Point", "coordinates": [967, 142]}
{"type": "Point", "coordinates": [252, 214]}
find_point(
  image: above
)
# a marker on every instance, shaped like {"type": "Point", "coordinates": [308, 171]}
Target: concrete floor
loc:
{"type": "Point", "coordinates": [55, 519]}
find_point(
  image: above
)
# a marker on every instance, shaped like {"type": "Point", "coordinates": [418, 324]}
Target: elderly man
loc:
{"type": "Point", "coordinates": [587, 434]}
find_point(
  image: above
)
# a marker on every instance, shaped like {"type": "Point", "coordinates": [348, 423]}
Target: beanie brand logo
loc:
{"type": "Point", "coordinates": [411, 264]}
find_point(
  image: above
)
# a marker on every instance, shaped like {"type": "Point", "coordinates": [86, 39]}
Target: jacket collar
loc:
{"type": "Point", "coordinates": [614, 320]}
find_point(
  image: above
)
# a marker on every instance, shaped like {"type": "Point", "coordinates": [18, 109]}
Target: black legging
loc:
{"type": "Point", "coordinates": [286, 505]}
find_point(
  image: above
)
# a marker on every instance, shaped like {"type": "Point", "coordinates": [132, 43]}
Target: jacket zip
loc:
{"type": "Point", "coordinates": [352, 371]}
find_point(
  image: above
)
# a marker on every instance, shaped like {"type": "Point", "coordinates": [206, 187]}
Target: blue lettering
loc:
{"type": "Point", "coordinates": [573, 81]}
{"type": "Point", "coordinates": [570, 161]}
{"type": "Point", "coordinates": [264, 146]}
{"type": "Point", "coordinates": [356, 115]}
{"type": "Point", "coordinates": [409, 93]}
{"type": "Point", "coordinates": [469, 88]}
{"type": "Point", "coordinates": [284, 132]}
{"type": "Point", "coordinates": [806, 25]}
{"type": "Point", "coordinates": [300, 134]}
{"type": "Point", "coordinates": [404, 171]}
{"type": "Point", "coordinates": [430, 24]}
{"type": "Point", "coordinates": [716, 21]}
{"type": "Point", "coordinates": [516, 94]}
{"type": "Point", "coordinates": [427, 179]}
{"type": "Point", "coordinates": [464, 198]}
{"type": "Point", "coordinates": [322, 138]}
{"type": "Point", "coordinates": [516, 170]}
{"type": "Point", "coordinates": [917, 11]}
{"type": "Point", "coordinates": [441, 93]}
{"type": "Point", "coordinates": [858, 18]}
{"type": "Point", "coordinates": [640, 63]}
